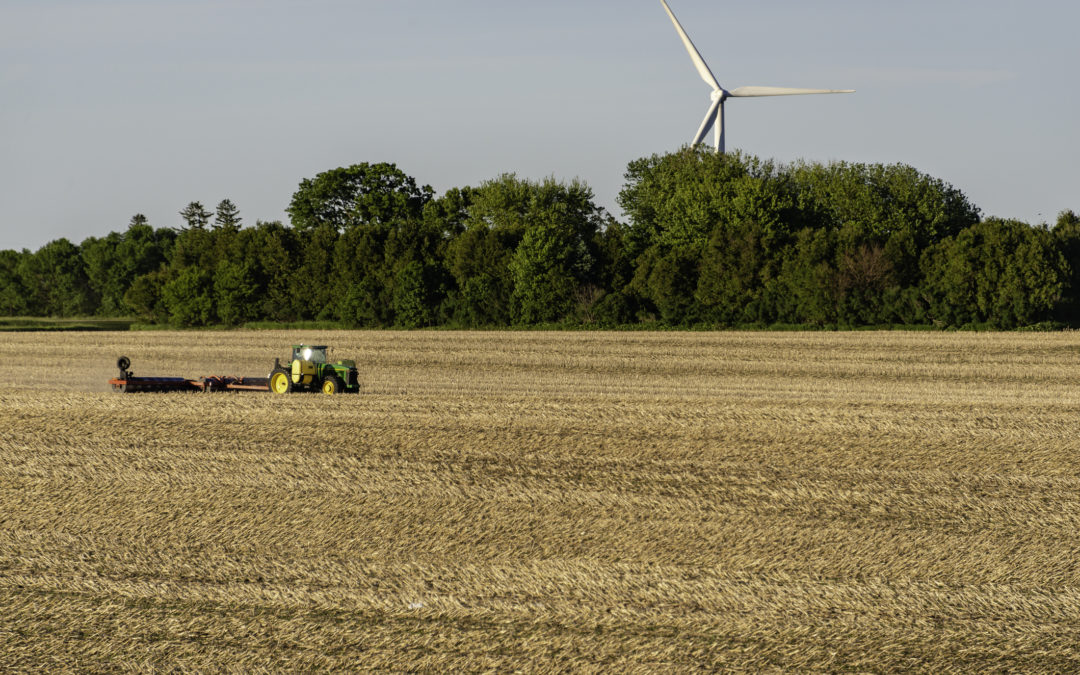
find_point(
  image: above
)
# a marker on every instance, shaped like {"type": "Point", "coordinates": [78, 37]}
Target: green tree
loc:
{"type": "Point", "coordinates": [542, 269]}
{"type": "Point", "coordinates": [666, 278]}
{"type": "Point", "coordinates": [678, 199]}
{"type": "Point", "coordinates": [487, 267]}
{"type": "Point", "coordinates": [854, 232]}
{"type": "Point", "coordinates": [479, 261]}
{"type": "Point", "coordinates": [13, 295]}
{"type": "Point", "coordinates": [360, 194]}
{"type": "Point", "coordinates": [1001, 272]}
{"type": "Point", "coordinates": [105, 272]}
{"type": "Point", "coordinates": [737, 269]}
{"type": "Point", "coordinates": [1067, 239]}
{"type": "Point", "coordinates": [235, 292]}
{"type": "Point", "coordinates": [146, 296]}
{"type": "Point", "coordinates": [686, 209]}
{"type": "Point", "coordinates": [227, 216]}
{"type": "Point", "coordinates": [55, 281]}
{"type": "Point", "coordinates": [113, 262]}
{"type": "Point", "coordinates": [882, 203]}
{"type": "Point", "coordinates": [414, 306]}
{"type": "Point", "coordinates": [609, 301]}
{"type": "Point", "coordinates": [807, 284]}
{"type": "Point", "coordinates": [276, 251]}
{"type": "Point", "coordinates": [364, 291]}
{"type": "Point", "coordinates": [194, 247]}
{"type": "Point", "coordinates": [195, 215]}
{"type": "Point", "coordinates": [312, 284]}
{"type": "Point", "coordinates": [189, 297]}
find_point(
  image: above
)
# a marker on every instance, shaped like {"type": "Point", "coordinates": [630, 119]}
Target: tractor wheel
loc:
{"type": "Point", "coordinates": [331, 385]}
{"type": "Point", "coordinates": [280, 382]}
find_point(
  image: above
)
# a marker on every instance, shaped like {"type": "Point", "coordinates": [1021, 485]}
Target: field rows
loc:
{"type": "Point", "coordinates": [590, 501]}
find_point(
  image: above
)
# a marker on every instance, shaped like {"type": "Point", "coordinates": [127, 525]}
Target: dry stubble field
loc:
{"type": "Point", "coordinates": [546, 501]}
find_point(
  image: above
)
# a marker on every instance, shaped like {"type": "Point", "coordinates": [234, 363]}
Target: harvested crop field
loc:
{"type": "Point", "coordinates": [546, 501]}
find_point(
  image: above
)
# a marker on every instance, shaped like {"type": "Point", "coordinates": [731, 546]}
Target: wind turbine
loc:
{"type": "Point", "coordinates": [715, 116]}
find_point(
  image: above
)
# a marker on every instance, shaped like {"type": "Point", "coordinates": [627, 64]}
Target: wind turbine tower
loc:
{"type": "Point", "coordinates": [714, 119]}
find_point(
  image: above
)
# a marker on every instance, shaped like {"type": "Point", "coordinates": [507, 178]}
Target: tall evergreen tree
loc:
{"type": "Point", "coordinates": [195, 215]}
{"type": "Point", "coordinates": [227, 215]}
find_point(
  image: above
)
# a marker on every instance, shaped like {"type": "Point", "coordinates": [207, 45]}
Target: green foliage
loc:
{"type": "Point", "coordinates": [712, 241]}
{"type": "Point", "coordinates": [478, 261]}
{"type": "Point", "coordinates": [311, 287]}
{"type": "Point", "coordinates": [234, 292]}
{"type": "Point", "coordinates": [227, 216]}
{"type": "Point", "coordinates": [1000, 272]}
{"type": "Point", "coordinates": [542, 270]}
{"type": "Point", "coordinates": [881, 200]}
{"type": "Point", "coordinates": [189, 297]}
{"type": "Point", "coordinates": [360, 276]}
{"type": "Point", "coordinates": [55, 281]}
{"type": "Point", "coordinates": [275, 251]}
{"type": "Point", "coordinates": [483, 301]}
{"type": "Point", "coordinates": [1066, 235]}
{"type": "Point", "coordinates": [666, 281]}
{"type": "Point", "coordinates": [611, 310]}
{"type": "Point", "coordinates": [146, 296]}
{"type": "Point", "coordinates": [679, 199]}
{"type": "Point", "coordinates": [414, 296]}
{"type": "Point", "coordinates": [835, 244]}
{"type": "Point", "coordinates": [113, 263]}
{"type": "Point", "coordinates": [808, 280]}
{"type": "Point", "coordinates": [361, 194]}
{"type": "Point", "coordinates": [13, 295]}
{"type": "Point", "coordinates": [736, 271]}
{"type": "Point", "coordinates": [528, 246]}
{"type": "Point", "coordinates": [195, 216]}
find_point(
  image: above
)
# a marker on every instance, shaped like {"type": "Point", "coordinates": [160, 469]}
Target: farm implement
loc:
{"type": "Point", "coordinates": [308, 370]}
{"type": "Point", "coordinates": [127, 383]}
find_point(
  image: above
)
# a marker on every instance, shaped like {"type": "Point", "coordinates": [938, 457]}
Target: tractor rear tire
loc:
{"type": "Point", "coordinates": [332, 385]}
{"type": "Point", "coordinates": [280, 382]}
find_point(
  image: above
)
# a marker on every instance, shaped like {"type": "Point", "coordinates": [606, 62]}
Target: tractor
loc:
{"type": "Point", "coordinates": [309, 370]}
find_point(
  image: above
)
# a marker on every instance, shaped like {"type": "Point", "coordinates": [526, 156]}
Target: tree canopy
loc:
{"type": "Point", "coordinates": [361, 194]}
{"type": "Point", "coordinates": [709, 240]}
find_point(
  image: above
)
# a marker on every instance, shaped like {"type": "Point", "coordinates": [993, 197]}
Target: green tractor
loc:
{"type": "Point", "coordinates": [310, 371]}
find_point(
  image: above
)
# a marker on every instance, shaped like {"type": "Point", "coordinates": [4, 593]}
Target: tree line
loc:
{"type": "Point", "coordinates": [710, 241]}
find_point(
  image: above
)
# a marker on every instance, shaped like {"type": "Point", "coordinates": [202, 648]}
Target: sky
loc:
{"type": "Point", "coordinates": [110, 108]}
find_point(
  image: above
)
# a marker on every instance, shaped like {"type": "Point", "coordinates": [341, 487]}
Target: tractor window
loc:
{"type": "Point", "coordinates": [313, 354]}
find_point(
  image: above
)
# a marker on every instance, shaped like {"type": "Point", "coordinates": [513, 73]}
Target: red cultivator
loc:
{"type": "Point", "coordinates": [128, 383]}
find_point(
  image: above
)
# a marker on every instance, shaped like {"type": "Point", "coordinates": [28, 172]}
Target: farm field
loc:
{"type": "Point", "coordinates": [546, 501]}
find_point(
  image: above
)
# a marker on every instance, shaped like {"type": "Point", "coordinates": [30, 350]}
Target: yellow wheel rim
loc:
{"type": "Point", "coordinates": [279, 383]}
{"type": "Point", "coordinates": [328, 387]}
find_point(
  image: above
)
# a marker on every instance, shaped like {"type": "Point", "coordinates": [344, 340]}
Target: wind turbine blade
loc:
{"type": "Point", "coordinates": [706, 124]}
{"type": "Point", "coordinates": [695, 55]}
{"type": "Point", "coordinates": [784, 91]}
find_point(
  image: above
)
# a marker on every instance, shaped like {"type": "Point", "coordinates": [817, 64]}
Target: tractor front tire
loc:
{"type": "Point", "coordinates": [280, 382]}
{"type": "Point", "coordinates": [331, 386]}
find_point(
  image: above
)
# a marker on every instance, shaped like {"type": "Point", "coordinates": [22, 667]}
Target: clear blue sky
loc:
{"type": "Point", "coordinates": [110, 108]}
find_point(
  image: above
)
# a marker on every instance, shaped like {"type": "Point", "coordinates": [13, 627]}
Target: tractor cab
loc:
{"type": "Point", "coordinates": [309, 353]}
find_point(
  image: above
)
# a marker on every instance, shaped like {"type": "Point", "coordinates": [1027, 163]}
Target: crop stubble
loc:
{"type": "Point", "coordinates": [637, 501]}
